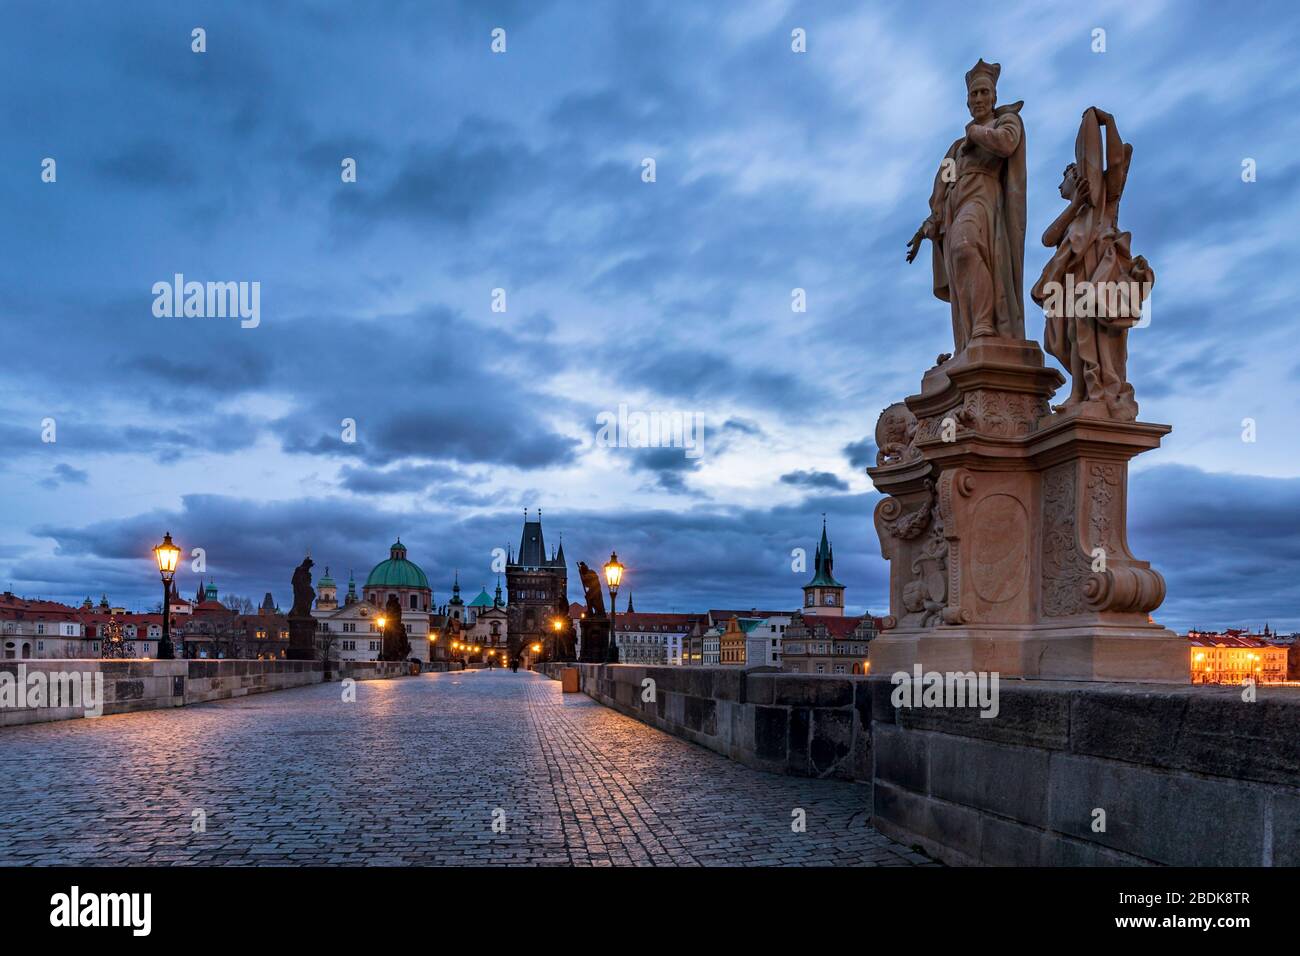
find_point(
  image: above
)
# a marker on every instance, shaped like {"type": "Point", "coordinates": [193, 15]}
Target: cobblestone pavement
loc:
{"type": "Point", "coordinates": [414, 772]}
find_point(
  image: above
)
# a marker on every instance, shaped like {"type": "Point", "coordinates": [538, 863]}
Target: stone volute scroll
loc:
{"type": "Point", "coordinates": [1004, 521]}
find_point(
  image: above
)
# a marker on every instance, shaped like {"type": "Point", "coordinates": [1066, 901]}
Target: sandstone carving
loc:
{"type": "Point", "coordinates": [896, 435]}
{"type": "Point", "coordinates": [1004, 523]}
{"type": "Point", "coordinates": [976, 224]}
{"type": "Point", "coordinates": [1093, 287]}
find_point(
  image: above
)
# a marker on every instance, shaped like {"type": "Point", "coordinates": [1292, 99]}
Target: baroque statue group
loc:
{"type": "Point", "coordinates": [1004, 516]}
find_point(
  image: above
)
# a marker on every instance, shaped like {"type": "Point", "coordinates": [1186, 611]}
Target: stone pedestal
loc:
{"type": "Point", "coordinates": [302, 638]}
{"type": "Point", "coordinates": [595, 640]}
{"type": "Point", "coordinates": [1004, 524]}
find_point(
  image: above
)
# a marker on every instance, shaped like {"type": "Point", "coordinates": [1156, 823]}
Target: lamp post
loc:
{"type": "Point", "coordinates": [557, 628]}
{"type": "Point", "coordinates": [166, 554]}
{"type": "Point", "coordinates": [613, 576]}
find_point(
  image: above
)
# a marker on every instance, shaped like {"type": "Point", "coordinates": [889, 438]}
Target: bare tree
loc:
{"type": "Point", "coordinates": [240, 605]}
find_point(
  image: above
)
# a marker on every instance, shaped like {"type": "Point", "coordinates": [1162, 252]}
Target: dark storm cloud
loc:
{"type": "Point", "coordinates": [1224, 565]}
{"type": "Point", "coordinates": [669, 466]}
{"type": "Point", "coordinates": [862, 453]}
{"type": "Point", "coordinates": [371, 481]}
{"type": "Point", "coordinates": [238, 367]}
{"type": "Point", "coordinates": [463, 179]}
{"type": "Point", "coordinates": [148, 164]}
{"type": "Point", "coordinates": [773, 172]}
{"type": "Point", "coordinates": [689, 559]}
{"type": "Point", "coordinates": [65, 474]}
{"type": "Point", "coordinates": [808, 478]}
{"type": "Point", "coordinates": [217, 433]}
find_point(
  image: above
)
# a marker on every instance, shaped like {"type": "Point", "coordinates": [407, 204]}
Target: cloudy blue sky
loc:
{"type": "Point", "coordinates": [522, 171]}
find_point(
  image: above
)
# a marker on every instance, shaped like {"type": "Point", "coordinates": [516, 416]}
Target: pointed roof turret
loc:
{"type": "Point", "coordinates": [497, 602]}
{"type": "Point", "coordinates": [630, 609]}
{"type": "Point", "coordinates": [455, 589]}
{"type": "Point", "coordinates": [532, 546]}
{"type": "Point", "coordinates": [823, 564]}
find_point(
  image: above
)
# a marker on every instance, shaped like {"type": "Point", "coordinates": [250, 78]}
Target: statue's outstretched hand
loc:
{"type": "Point", "coordinates": [914, 244]}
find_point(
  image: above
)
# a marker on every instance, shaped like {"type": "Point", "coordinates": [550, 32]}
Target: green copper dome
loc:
{"type": "Point", "coordinates": [482, 600]}
{"type": "Point", "coordinates": [397, 572]}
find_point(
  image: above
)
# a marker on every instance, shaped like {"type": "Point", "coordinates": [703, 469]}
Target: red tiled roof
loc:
{"type": "Point", "coordinates": [839, 628]}
{"type": "Point", "coordinates": [211, 607]}
{"type": "Point", "coordinates": [15, 608]}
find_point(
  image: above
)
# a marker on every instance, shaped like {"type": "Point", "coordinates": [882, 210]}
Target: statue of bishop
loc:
{"type": "Point", "coordinates": [976, 224]}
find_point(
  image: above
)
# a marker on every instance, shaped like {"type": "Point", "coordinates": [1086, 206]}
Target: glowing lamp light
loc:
{"type": "Point", "coordinates": [167, 554]}
{"type": "Point", "coordinates": [537, 648]}
{"type": "Point", "coordinates": [381, 622]}
{"type": "Point", "coordinates": [613, 571]}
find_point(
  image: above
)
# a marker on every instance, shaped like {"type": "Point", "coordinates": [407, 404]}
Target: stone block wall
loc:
{"type": "Point", "coordinates": [813, 726]}
{"type": "Point", "coordinates": [132, 685]}
{"type": "Point", "coordinates": [1184, 775]}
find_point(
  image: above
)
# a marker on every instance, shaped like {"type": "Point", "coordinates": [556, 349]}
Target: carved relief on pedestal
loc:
{"type": "Point", "coordinates": [896, 436]}
{"type": "Point", "coordinates": [1105, 498]}
{"type": "Point", "coordinates": [1000, 562]}
{"type": "Point", "coordinates": [917, 537]}
{"type": "Point", "coordinates": [931, 427]}
{"type": "Point", "coordinates": [963, 483]}
{"type": "Point", "coordinates": [910, 524]}
{"type": "Point", "coordinates": [1001, 414]}
{"type": "Point", "coordinates": [1065, 568]}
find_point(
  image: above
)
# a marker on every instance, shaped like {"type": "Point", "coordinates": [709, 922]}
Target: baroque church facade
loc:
{"type": "Point", "coordinates": [495, 628]}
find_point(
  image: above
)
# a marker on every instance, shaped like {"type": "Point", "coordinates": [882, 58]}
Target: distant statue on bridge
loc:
{"type": "Point", "coordinates": [591, 588]}
{"type": "Point", "coordinates": [303, 593]}
{"type": "Point", "coordinates": [396, 645]}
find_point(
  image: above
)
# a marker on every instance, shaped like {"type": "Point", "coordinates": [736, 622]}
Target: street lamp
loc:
{"type": "Point", "coordinates": [557, 628]}
{"type": "Point", "coordinates": [166, 554]}
{"type": "Point", "coordinates": [613, 575]}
